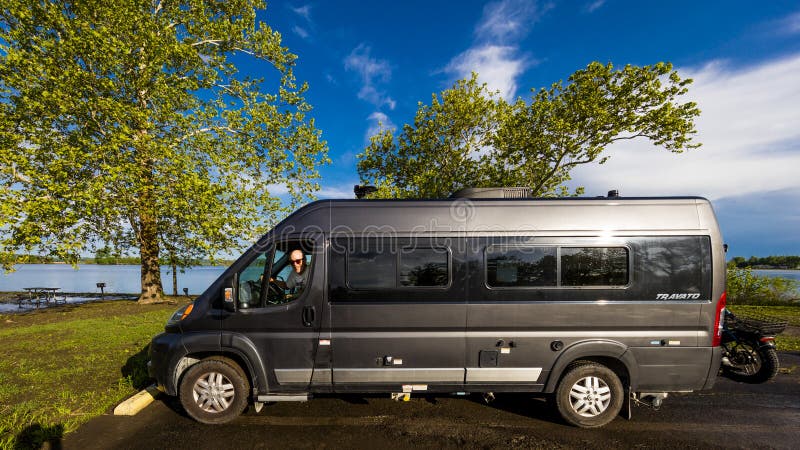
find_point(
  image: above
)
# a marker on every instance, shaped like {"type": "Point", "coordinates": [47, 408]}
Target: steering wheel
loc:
{"type": "Point", "coordinates": [274, 291]}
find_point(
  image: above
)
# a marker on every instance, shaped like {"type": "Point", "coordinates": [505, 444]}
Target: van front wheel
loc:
{"type": "Point", "coordinates": [589, 395]}
{"type": "Point", "coordinates": [214, 391]}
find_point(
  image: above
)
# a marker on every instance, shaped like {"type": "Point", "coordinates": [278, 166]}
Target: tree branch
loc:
{"type": "Point", "coordinates": [204, 130]}
{"type": "Point", "coordinates": [19, 176]}
{"type": "Point", "coordinates": [208, 41]}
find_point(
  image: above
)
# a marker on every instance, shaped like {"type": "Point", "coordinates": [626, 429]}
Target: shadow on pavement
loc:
{"type": "Point", "coordinates": [36, 436]}
{"type": "Point", "coordinates": [539, 408]}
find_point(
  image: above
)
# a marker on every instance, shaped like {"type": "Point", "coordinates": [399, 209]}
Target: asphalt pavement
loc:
{"type": "Point", "coordinates": [732, 415]}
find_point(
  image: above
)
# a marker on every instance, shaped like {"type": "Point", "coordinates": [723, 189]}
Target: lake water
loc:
{"type": "Point", "coordinates": [793, 274]}
{"type": "Point", "coordinates": [118, 279]}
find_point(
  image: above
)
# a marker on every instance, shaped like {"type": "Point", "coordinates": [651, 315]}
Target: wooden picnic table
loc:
{"type": "Point", "coordinates": [39, 295]}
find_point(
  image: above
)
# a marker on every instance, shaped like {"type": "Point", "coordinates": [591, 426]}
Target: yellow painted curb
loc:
{"type": "Point", "coordinates": [138, 402]}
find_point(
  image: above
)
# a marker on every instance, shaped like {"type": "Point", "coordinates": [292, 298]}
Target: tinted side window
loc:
{"type": "Point", "coordinates": [594, 266]}
{"type": "Point", "coordinates": [675, 265]}
{"type": "Point", "coordinates": [521, 266]}
{"type": "Point", "coordinates": [423, 267]}
{"type": "Point", "coordinates": [369, 268]}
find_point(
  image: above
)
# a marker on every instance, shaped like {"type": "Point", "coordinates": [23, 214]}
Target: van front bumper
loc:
{"type": "Point", "coordinates": [165, 350]}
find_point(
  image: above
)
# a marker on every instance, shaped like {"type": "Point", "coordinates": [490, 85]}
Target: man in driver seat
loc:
{"type": "Point", "coordinates": [296, 279]}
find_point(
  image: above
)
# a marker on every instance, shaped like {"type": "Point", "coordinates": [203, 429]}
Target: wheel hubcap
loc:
{"type": "Point", "coordinates": [213, 392]}
{"type": "Point", "coordinates": [590, 396]}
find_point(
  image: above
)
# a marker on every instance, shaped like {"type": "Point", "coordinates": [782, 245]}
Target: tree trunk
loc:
{"type": "Point", "coordinates": [152, 291]}
{"type": "Point", "coordinates": [174, 279]}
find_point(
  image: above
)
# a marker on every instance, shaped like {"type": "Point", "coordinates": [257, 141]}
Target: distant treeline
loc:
{"type": "Point", "coordinates": [766, 262]}
{"type": "Point", "coordinates": [111, 260]}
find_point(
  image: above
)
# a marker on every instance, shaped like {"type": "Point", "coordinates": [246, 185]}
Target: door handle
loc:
{"type": "Point", "coordinates": [309, 314]}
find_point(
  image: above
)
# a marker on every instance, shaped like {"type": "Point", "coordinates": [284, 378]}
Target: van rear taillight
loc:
{"type": "Point", "coordinates": [719, 321]}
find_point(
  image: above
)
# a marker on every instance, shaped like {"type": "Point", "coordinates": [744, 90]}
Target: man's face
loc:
{"type": "Point", "coordinates": [298, 260]}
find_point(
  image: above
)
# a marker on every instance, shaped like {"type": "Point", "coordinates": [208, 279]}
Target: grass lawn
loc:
{"type": "Point", "coordinates": [789, 340]}
{"type": "Point", "coordinates": [61, 367]}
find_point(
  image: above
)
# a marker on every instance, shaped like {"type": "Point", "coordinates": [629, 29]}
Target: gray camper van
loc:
{"type": "Point", "coordinates": [594, 301]}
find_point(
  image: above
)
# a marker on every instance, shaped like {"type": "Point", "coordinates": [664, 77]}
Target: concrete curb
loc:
{"type": "Point", "coordinates": [138, 402]}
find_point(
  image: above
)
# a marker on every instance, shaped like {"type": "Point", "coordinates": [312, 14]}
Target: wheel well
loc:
{"type": "Point", "coordinates": [617, 366]}
{"type": "Point", "coordinates": [194, 358]}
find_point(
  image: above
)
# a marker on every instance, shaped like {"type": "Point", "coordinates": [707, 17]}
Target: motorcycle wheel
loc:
{"type": "Point", "coordinates": [750, 364]}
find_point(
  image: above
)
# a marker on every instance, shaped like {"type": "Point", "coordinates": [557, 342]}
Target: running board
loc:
{"type": "Point", "coordinates": [284, 398]}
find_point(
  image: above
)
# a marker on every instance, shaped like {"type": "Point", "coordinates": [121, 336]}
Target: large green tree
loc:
{"type": "Point", "coordinates": [469, 136]}
{"type": "Point", "coordinates": [127, 123]}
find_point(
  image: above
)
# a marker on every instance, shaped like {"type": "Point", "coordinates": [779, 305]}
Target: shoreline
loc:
{"type": "Point", "coordinates": [13, 296]}
{"type": "Point", "coordinates": [775, 270]}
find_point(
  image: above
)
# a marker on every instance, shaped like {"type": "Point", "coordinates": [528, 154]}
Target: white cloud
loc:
{"type": "Point", "coordinates": [303, 11]}
{"type": "Point", "coordinates": [790, 24]}
{"type": "Point", "coordinates": [276, 189]}
{"type": "Point", "coordinates": [300, 31]}
{"type": "Point", "coordinates": [495, 54]}
{"type": "Point", "coordinates": [337, 191]}
{"type": "Point", "coordinates": [750, 135]}
{"type": "Point", "coordinates": [372, 71]}
{"type": "Point", "coordinates": [496, 66]}
{"type": "Point", "coordinates": [378, 122]}
{"type": "Point", "coordinates": [595, 5]}
{"type": "Point", "coordinates": [508, 20]}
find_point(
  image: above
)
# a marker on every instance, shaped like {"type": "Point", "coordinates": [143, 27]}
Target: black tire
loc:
{"type": "Point", "coordinates": [214, 391]}
{"type": "Point", "coordinates": [589, 395]}
{"type": "Point", "coordinates": [751, 364]}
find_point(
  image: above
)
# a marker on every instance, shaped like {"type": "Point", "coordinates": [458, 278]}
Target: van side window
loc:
{"type": "Point", "coordinates": [556, 266]}
{"type": "Point", "coordinates": [292, 264]}
{"type": "Point", "coordinates": [423, 267]}
{"type": "Point", "coordinates": [521, 266]}
{"type": "Point", "coordinates": [276, 276]}
{"type": "Point", "coordinates": [380, 265]}
{"type": "Point", "coordinates": [371, 268]}
{"type": "Point", "coordinates": [251, 282]}
{"type": "Point", "coordinates": [594, 266]}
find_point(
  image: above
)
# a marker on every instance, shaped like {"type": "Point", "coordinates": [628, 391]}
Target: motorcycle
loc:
{"type": "Point", "coordinates": [748, 347]}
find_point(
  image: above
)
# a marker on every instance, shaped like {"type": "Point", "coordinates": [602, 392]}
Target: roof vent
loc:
{"type": "Point", "coordinates": [613, 193]}
{"type": "Point", "coordinates": [494, 192]}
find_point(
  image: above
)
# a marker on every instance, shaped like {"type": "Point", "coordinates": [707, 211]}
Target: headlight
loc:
{"type": "Point", "coordinates": [180, 314]}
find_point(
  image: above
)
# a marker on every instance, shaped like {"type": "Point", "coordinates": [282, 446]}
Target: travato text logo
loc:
{"type": "Point", "coordinates": [677, 296]}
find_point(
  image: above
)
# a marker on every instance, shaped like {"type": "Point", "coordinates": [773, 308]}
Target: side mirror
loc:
{"type": "Point", "coordinates": [229, 300]}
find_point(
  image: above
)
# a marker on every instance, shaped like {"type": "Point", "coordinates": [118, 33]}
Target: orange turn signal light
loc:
{"type": "Point", "coordinates": [188, 311]}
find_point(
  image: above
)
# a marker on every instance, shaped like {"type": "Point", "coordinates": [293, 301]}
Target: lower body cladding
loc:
{"type": "Point", "coordinates": [439, 379]}
{"type": "Point", "coordinates": [651, 369]}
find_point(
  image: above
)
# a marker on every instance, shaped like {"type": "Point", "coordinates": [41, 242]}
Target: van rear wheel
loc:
{"type": "Point", "coordinates": [589, 395]}
{"type": "Point", "coordinates": [214, 391]}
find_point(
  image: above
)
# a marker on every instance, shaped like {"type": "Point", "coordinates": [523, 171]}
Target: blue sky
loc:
{"type": "Point", "coordinates": [367, 62]}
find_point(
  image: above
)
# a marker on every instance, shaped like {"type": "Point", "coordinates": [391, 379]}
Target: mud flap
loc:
{"type": "Point", "coordinates": [626, 411]}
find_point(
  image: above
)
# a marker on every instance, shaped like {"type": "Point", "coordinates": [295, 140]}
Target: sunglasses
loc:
{"type": "Point", "coordinates": [297, 261]}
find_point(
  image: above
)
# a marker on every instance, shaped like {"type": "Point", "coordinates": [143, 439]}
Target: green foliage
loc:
{"type": "Point", "coordinates": [789, 340]}
{"type": "Point", "coordinates": [745, 287]}
{"type": "Point", "coordinates": [61, 368]}
{"type": "Point", "coordinates": [773, 262]}
{"type": "Point", "coordinates": [104, 256]}
{"type": "Point", "coordinates": [471, 137]}
{"type": "Point", "coordinates": [128, 123]}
